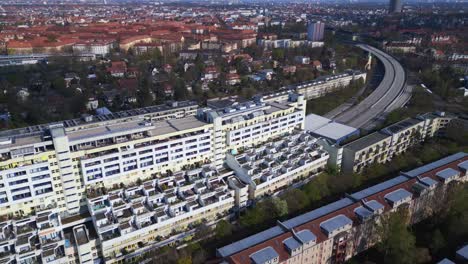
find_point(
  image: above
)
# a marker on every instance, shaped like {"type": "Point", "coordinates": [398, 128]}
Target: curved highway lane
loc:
{"type": "Point", "coordinates": [386, 95]}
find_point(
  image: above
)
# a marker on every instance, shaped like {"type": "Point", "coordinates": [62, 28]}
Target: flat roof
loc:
{"type": "Point", "coordinates": [121, 116]}
{"type": "Point", "coordinates": [434, 165]}
{"type": "Point", "coordinates": [402, 125]}
{"type": "Point", "coordinates": [335, 223]}
{"type": "Point", "coordinates": [314, 122]}
{"type": "Point", "coordinates": [446, 261]}
{"type": "Point", "coordinates": [463, 252]}
{"type": "Point", "coordinates": [463, 165]}
{"type": "Point", "coordinates": [373, 205]}
{"type": "Point", "coordinates": [291, 243]}
{"type": "Point", "coordinates": [306, 236]}
{"type": "Point", "coordinates": [398, 195]}
{"type": "Point", "coordinates": [429, 182]}
{"type": "Point", "coordinates": [363, 212]}
{"type": "Point", "coordinates": [264, 255]}
{"type": "Point", "coordinates": [378, 187]}
{"type": "Point", "coordinates": [335, 131]}
{"type": "Point", "coordinates": [367, 141]}
{"type": "Point", "coordinates": [447, 173]}
{"type": "Point", "coordinates": [328, 128]}
{"type": "Point", "coordinates": [156, 128]}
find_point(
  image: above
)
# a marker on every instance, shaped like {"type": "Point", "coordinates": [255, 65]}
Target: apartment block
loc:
{"type": "Point", "coordinates": [29, 239]}
{"type": "Point", "coordinates": [383, 145]}
{"type": "Point", "coordinates": [336, 232]}
{"type": "Point", "coordinates": [327, 84]}
{"type": "Point", "coordinates": [41, 166]}
{"type": "Point", "coordinates": [246, 124]}
{"type": "Point", "coordinates": [130, 218]}
{"type": "Point", "coordinates": [98, 47]}
{"type": "Point", "coordinates": [277, 164]}
{"type": "Point", "coordinates": [112, 186]}
{"type": "Point", "coordinates": [316, 88]}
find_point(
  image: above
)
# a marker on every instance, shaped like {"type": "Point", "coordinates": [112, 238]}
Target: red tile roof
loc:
{"type": "Point", "coordinates": [314, 226]}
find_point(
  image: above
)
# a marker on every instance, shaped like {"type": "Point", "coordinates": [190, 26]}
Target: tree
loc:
{"type": "Point", "coordinates": [296, 200]}
{"type": "Point", "coordinates": [332, 169]}
{"type": "Point", "coordinates": [422, 255]}
{"type": "Point", "coordinates": [438, 241]}
{"type": "Point", "coordinates": [223, 229]}
{"type": "Point", "coordinates": [275, 207]}
{"type": "Point", "coordinates": [199, 256]}
{"type": "Point", "coordinates": [397, 242]}
{"type": "Point", "coordinates": [185, 260]}
{"type": "Point", "coordinates": [203, 231]}
{"type": "Point", "coordinates": [180, 92]}
{"type": "Point", "coordinates": [457, 221]}
{"type": "Point", "coordinates": [252, 217]}
{"type": "Point", "coordinates": [317, 188]}
{"type": "Point", "coordinates": [278, 54]}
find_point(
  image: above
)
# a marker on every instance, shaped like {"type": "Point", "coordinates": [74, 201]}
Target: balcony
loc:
{"type": "Point", "coordinates": [110, 235]}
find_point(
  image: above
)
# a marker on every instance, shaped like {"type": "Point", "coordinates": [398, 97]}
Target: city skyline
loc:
{"type": "Point", "coordinates": [233, 132]}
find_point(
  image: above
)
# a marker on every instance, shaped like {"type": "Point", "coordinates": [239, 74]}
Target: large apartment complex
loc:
{"type": "Point", "coordinates": [104, 188]}
{"type": "Point", "coordinates": [327, 84]}
{"type": "Point", "coordinates": [317, 87]}
{"type": "Point", "coordinates": [383, 145]}
{"type": "Point", "coordinates": [336, 232]}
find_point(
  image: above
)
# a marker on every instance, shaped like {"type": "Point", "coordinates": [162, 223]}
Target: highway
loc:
{"type": "Point", "coordinates": [390, 94]}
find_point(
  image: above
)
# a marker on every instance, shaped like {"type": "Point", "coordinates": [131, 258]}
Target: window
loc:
{"type": "Point", "coordinates": [18, 182]}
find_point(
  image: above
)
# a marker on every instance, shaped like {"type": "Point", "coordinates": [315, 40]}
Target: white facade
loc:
{"type": "Point", "coordinates": [96, 48]}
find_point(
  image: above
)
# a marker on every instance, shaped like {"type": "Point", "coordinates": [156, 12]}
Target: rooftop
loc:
{"type": "Point", "coordinates": [445, 261]}
{"type": "Point", "coordinates": [402, 125]}
{"type": "Point", "coordinates": [393, 189]}
{"type": "Point", "coordinates": [374, 205]}
{"type": "Point", "coordinates": [306, 236]}
{"type": "Point", "coordinates": [463, 252]}
{"type": "Point", "coordinates": [291, 243]}
{"type": "Point", "coordinates": [327, 128]}
{"type": "Point", "coordinates": [335, 223]}
{"type": "Point", "coordinates": [118, 120]}
{"type": "Point", "coordinates": [429, 182]}
{"type": "Point", "coordinates": [398, 195]}
{"type": "Point", "coordinates": [264, 255]}
{"type": "Point", "coordinates": [436, 164]}
{"type": "Point", "coordinates": [366, 141]}
{"type": "Point", "coordinates": [447, 173]}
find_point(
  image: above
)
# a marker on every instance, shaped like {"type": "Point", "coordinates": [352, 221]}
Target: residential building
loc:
{"type": "Point", "coordinates": [143, 47]}
{"type": "Point", "coordinates": [109, 187]}
{"type": "Point", "coordinates": [383, 145]}
{"type": "Point", "coordinates": [462, 254]}
{"type": "Point", "coordinates": [400, 47]}
{"type": "Point", "coordinates": [130, 218]}
{"type": "Point", "coordinates": [395, 6]}
{"type": "Point", "coordinates": [117, 69]}
{"type": "Point", "coordinates": [40, 164]}
{"type": "Point", "coordinates": [302, 60]}
{"type": "Point", "coordinates": [251, 123]}
{"type": "Point", "coordinates": [315, 31]}
{"type": "Point", "coordinates": [270, 167]}
{"type": "Point", "coordinates": [316, 88]}
{"type": "Point", "coordinates": [96, 47]}
{"type": "Point", "coordinates": [338, 231]}
{"type": "Point", "coordinates": [129, 42]}
{"type": "Point", "coordinates": [327, 84]}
